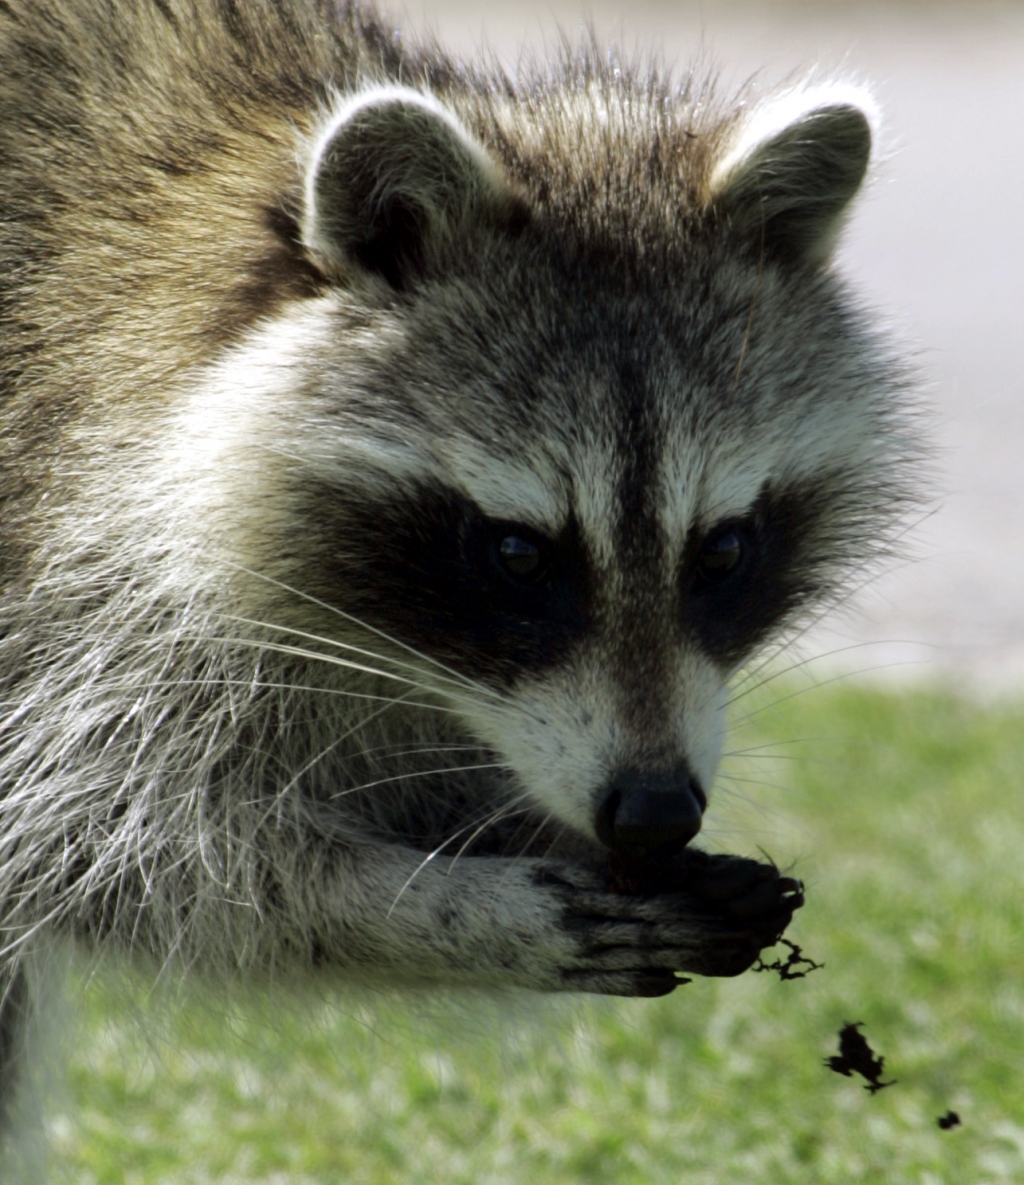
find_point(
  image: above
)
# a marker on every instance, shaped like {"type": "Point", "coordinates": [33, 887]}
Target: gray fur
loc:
{"type": "Point", "coordinates": [284, 368]}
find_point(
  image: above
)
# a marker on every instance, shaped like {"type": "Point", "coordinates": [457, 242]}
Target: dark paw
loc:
{"type": "Point", "coordinates": [738, 887]}
{"type": "Point", "coordinates": [742, 906]}
{"type": "Point", "coordinates": [742, 888]}
{"type": "Point", "coordinates": [630, 929]}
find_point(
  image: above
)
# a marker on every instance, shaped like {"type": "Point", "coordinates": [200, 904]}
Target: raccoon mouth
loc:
{"type": "Point", "coordinates": [643, 813]}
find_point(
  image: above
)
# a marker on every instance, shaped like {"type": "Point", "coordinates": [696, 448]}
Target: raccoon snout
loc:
{"type": "Point", "coordinates": [647, 812]}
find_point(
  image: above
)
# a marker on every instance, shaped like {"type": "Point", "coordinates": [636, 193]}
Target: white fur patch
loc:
{"type": "Point", "coordinates": [564, 735]}
{"type": "Point", "coordinates": [768, 119]}
{"type": "Point", "coordinates": [269, 407]}
{"type": "Point", "coordinates": [712, 480]}
{"type": "Point", "coordinates": [345, 109]}
{"type": "Point", "coordinates": [230, 435]}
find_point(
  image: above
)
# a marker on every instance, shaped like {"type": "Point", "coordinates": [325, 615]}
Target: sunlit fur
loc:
{"type": "Point", "coordinates": [228, 741]}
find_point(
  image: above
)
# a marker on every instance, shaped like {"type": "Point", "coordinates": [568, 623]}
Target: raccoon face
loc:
{"type": "Point", "coordinates": [576, 472]}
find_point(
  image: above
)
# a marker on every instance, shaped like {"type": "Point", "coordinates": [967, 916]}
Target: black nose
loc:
{"type": "Point", "coordinates": [650, 811]}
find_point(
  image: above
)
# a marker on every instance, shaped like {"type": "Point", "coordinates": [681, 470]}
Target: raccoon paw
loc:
{"type": "Point", "coordinates": [747, 903]}
{"type": "Point", "coordinates": [636, 927]}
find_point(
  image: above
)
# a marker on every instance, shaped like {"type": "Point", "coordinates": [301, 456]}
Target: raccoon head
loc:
{"type": "Point", "coordinates": [582, 422]}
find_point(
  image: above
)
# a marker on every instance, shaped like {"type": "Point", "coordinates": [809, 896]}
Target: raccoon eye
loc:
{"type": "Point", "coordinates": [520, 558]}
{"type": "Point", "coordinates": [719, 557]}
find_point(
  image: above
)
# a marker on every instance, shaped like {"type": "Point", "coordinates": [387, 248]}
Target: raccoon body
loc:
{"type": "Point", "coordinates": [397, 460]}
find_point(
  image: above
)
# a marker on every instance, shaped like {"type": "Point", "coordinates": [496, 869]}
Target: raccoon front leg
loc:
{"type": "Point", "coordinates": [544, 924]}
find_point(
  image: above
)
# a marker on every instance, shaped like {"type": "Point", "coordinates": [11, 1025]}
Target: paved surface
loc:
{"type": "Point", "coordinates": [938, 246]}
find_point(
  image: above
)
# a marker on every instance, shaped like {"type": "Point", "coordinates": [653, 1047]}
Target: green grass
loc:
{"type": "Point", "coordinates": [905, 817]}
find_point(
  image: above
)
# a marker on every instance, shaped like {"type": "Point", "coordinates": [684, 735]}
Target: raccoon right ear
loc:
{"type": "Point", "coordinates": [794, 166]}
{"type": "Point", "coordinates": [393, 178]}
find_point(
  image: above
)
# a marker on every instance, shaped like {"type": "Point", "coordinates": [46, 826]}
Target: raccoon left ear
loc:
{"type": "Point", "coordinates": [789, 176]}
{"type": "Point", "coordinates": [393, 177]}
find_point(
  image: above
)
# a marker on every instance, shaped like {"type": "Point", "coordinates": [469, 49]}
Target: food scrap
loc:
{"type": "Point", "coordinates": [857, 1056]}
{"type": "Point", "coordinates": [788, 969]}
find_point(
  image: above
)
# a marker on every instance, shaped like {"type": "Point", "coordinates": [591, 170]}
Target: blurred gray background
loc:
{"type": "Point", "coordinates": [937, 247]}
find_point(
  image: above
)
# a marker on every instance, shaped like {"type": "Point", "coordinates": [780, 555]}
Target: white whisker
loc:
{"type": "Point", "coordinates": [388, 751]}
{"type": "Point", "coordinates": [489, 821]}
{"type": "Point", "coordinates": [337, 644]}
{"type": "Point", "coordinates": [843, 676]}
{"type": "Point", "coordinates": [542, 823]}
{"type": "Point", "coordinates": [496, 817]}
{"type": "Point", "coordinates": [456, 676]}
{"type": "Point", "coordinates": [335, 661]}
{"type": "Point", "coordinates": [129, 682]}
{"type": "Point", "coordinates": [423, 773]}
{"type": "Point", "coordinates": [332, 747]}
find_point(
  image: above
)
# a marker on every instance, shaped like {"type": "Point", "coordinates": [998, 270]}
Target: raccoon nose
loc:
{"type": "Point", "coordinates": [646, 812]}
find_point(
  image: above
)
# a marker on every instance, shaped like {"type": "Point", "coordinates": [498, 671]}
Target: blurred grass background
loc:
{"type": "Point", "coordinates": [904, 815]}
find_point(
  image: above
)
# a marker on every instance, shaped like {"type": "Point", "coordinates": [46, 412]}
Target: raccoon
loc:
{"type": "Point", "coordinates": [398, 459]}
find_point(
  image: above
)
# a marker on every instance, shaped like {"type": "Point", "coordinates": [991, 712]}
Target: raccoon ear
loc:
{"type": "Point", "coordinates": [797, 161]}
{"type": "Point", "coordinates": [394, 176]}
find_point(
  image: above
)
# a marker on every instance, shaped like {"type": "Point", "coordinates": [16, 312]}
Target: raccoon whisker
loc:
{"type": "Point", "coordinates": [421, 773]}
{"type": "Point", "coordinates": [803, 664]}
{"type": "Point", "coordinates": [341, 644]}
{"type": "Point", "coordinates": [885, 563]}
{"type": "Point", "coordinates": [454, 674]}
{"type": "Point", "coordinates": [127, 683]}
{"type": "Point", "coordinates": [762, 755]}
{"type": "Point", "coordinates": [842, 676]}
{"type": "Point", "coordinates": [763, 748]}
{"type": "Point", "coordinates": [504, 812]}
{"type": "Point", "coordinates": [756, 751]}
{"type": "Point", "coordinates": [781, 646]}
{"type": "Point", "coordinates": [432, 855]}
{"type": "Point", "coordinates": [393, 751]}
{"type": "Point", "coordinates": [332, 644]}
{"type": "Point", "coordinates": [411, 877]}
{"type": "Point", "coordinates": [742, 781]}
{"type": "Point", "coordinates": [337, 644]}
{"type": "Point", "coordinates": [327, 750]}
{"type": "Point", "coordinates": [745, 803]}
{"type": "Point", "coordinates": [538, 830]}
{"type": "Point", "coordinates": [829, 605]}
{"type": "Point", "coordinates": [335, 661]}
{"type": "Point", "coordinates": [753, 680]}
